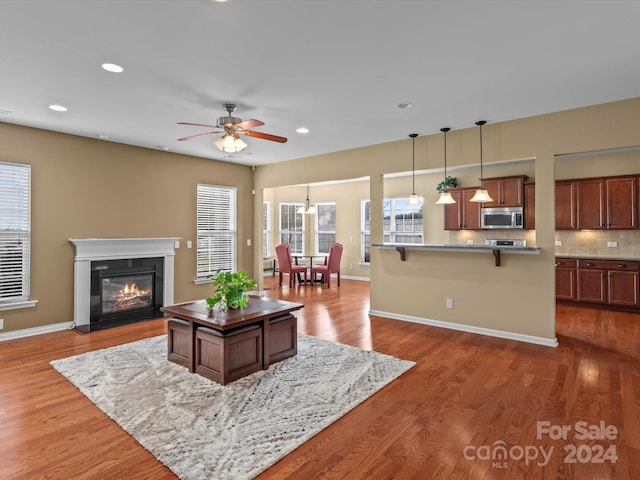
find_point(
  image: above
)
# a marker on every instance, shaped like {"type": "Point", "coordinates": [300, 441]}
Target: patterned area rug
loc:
{"type": "Point", "coordinates": [203, 430]}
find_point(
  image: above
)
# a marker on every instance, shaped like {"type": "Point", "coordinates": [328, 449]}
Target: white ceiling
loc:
{"type": "Point", "coordinates": [336, 67]}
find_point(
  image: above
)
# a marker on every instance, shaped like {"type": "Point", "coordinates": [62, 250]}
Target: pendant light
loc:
{"type": "Point", "coordinates": [481, 194]}
{"type": "Point", "coordinates": [307, 209]}
{"type": "Point", "coordinates": [413, 198]}
{"type": "Point", "coordinates": [445, 197]}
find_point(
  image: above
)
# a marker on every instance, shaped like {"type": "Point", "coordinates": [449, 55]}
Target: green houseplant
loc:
{"type": "Point", "coordinates": [446, 183]}
{"type": "Point", "coordinates": [230, 290]}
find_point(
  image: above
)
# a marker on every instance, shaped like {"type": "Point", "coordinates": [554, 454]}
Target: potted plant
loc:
{"type": "Point", "coordinates": [446, 183]}
{"type": "Point", "coordinates": [230, 290]}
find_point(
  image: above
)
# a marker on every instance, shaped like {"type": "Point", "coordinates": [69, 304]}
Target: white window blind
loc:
{"type": "Point", "coordinates": [217, 230]}
{"type": "Point", "coordinates": [266, 229]}
{"type": "Point", "coordinates": [15, 231]}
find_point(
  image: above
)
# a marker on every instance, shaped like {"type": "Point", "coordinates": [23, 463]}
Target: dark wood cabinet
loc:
{"type": "Point", "coordinates": [609, 203]}
{"type": "Point", "coordinates": [566, 205]}
{"type": "Point", "coordinates": [608, 282]}
{"type": "Point", "coordinates": [565, 279]}
{"type": "Point", "coordinates": [530, 206]}
{"type": "Point", "coordinates": [590, 201]}
{"type": "Point", "coordinates": [462, 215]}
{"type": "Point", "coordinates": [621, 203]}
{"type": "Point", "coordinates": [505, 191]}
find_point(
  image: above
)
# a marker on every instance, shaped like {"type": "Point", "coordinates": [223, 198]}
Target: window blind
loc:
{"type": "Point", "coordinates": [217, 229]}
{"type": "Point", "coordinates": [15, 231]}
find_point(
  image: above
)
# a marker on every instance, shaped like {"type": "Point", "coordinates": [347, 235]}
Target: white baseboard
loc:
{"type": "Point", "coordinates": [360, 279]}
{"type": "Point", "coordinates": [547, 342]}
{"type": "Point", "coordinates": [29, 332]}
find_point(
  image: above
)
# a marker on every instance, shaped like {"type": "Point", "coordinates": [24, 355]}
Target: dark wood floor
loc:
{"type": "Point", "coordinates": [467, 396]}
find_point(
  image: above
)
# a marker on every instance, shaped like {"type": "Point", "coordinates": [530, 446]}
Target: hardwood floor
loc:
{"type": "Point", "coordinates": [467, 396]}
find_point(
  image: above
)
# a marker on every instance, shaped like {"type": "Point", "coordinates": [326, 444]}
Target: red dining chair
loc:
{"type": "Point", "coordinates": [331, 266]}
{"type": "Point", "coordinates": [283, 252]}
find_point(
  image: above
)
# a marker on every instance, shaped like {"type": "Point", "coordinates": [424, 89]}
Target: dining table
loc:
{"type": "Point", "coordinates": [308, 259]}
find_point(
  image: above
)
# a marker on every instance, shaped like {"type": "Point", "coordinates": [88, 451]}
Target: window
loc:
{"type": "Point", "coordinates": [217, 230]}
{"type": "Point", "coordinates": [292, 226]}
{"type": "Point", "coordinates": [403, 223]}
{"type": "Point", "coordinates": [15, 233]}
{"type": "Point", "coordinates": [325, 226]}
{"type": "Point", "coordinates": [266, 229]}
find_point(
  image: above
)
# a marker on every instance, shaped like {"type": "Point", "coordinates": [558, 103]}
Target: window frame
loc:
{"type": "Point", "coordinates": [228, 235]}
{"type": "Point", "coordinates": [15, 227]}
{"type": "Point", "coordinates": [282, 233]}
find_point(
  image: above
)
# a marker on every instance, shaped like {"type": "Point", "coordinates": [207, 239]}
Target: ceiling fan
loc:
{"type": "Point", "coordinates": [232, 128]}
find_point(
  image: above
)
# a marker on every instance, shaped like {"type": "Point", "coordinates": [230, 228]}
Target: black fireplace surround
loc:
{"type": "Point", "coordinates": [125, 291]}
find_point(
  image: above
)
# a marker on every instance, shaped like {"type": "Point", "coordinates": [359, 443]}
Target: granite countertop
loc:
{"type": "Point", "coordinates": [460, 247]}
{"type": "Point", "coordinates": [597, 257]}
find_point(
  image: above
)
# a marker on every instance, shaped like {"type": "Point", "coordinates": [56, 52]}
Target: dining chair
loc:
{"type": "Point", "coordinates": [283, 252]}
{"type": "Point", "coordinates": [332, 265]}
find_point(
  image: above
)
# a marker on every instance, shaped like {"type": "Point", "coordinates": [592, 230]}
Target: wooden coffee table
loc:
{"type": "Point", "coordinates": [225, 346]}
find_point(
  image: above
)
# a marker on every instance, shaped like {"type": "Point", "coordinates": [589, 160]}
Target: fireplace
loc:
{"type": "Point", "coordinates": [121, 280]}
{"type": "Point", "coordinates": [125, 291]}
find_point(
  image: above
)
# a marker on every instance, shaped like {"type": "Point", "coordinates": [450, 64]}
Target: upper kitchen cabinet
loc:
{"type": "Point", "coordinates": [462, 215]}
{"type": "Point", "coordinates": [566, 205]}
{"type": "Point", "coordinates": [505, 191]}
{"type": "Point", "coordinates": [530, 206]}
{"type": "Point", "coordinates": [607, 203]}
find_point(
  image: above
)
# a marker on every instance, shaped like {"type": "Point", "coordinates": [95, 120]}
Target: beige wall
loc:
{"type": "Point", "coordinates": [518, 297]}
{"type": "Point", "coordinates": [83, 187]}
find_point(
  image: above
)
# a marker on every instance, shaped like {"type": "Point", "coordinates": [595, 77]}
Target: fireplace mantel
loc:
{"type": "Point", "coordinates": [91, 249]}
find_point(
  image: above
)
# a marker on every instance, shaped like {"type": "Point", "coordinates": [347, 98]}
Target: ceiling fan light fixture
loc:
{"type": "Point", "coordinates": [230, 143]}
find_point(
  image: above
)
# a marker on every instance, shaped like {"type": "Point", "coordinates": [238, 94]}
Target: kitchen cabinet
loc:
{"type": "Point", "coordinates": [608, 203]}
{"type": "Point", "coordinates": [530, 206]}
{"type": "Point", "coordinates": [462, 215]}
{"type": "Point", "coordinates": [565, 279]}
{"type": "Point", "coordinates": [505, 191]}
{"type": "Point", "coordinates": [566, 205]}
{"type": "Point", "coordinates": [608, 282]}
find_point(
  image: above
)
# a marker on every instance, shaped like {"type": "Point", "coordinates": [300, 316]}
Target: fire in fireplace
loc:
{"type": "Point", "coordinates": [125, 291]}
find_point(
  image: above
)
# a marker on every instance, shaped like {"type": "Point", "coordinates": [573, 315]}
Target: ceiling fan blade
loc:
{"type": "Point", "coordinates": [197, 124]}
{"type": "Point", "coordinates": [264, 136]}
{"type": "Point", "coordinates": [251, 123]}
{"type": "Point", "coordinates": [196, 136]}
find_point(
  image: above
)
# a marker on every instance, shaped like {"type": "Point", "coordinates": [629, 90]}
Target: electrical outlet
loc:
{"type": "Point", "coordinates": [558, 243]}
{"type": "Point", "coordinates": [612, 244]}
{"type": "Point", "coordinates": [469, 242]}
{"type": "Point", "coordinates": [351, 266]}
{"type": "Point", "coordinates": [1, 323]}
{"type": "Point", "coordinates": [248, 242]}
{"type": "Point", "coordinates": [449, 303]}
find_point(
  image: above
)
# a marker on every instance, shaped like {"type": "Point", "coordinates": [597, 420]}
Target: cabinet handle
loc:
{"type": "Point", "coordinates": [622, 265]}
{"type": "Point", "coordinates": [559, 264]}
{"type": "Point", "coordinates": [589, 264]}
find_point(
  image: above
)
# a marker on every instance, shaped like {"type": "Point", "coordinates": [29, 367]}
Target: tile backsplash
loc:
{"type": "Point", "coordinates": [581, 242]}
{"type": "Point", "coordinates": [593, 242]}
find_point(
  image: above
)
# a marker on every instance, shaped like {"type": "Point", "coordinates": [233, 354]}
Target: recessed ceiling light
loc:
{"type": "Point", "coordinates": [58, 108]}
{"type": "Point", "coordinates": [103, 137]}
{"type": "Point", "coordinates": [163, 147]}
{"type": "Point", "coordinates": [112, 67]}
{"type": "Point", "coordinates": [404, 105]}
{"type": "Point", "coordinates": [302, 130]}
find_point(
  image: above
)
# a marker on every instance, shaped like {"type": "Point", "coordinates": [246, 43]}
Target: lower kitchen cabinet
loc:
{"type": "Point", "coordinates": [607, 282]}
{"type": "Point", "coordinates": [565, 279]}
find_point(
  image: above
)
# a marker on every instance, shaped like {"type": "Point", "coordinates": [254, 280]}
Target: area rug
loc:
{"type": "Point", "coordinates": [202, 430]}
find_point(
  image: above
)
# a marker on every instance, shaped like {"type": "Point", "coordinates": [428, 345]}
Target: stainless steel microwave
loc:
{"type": "Point", "coordinates": [502, 217]}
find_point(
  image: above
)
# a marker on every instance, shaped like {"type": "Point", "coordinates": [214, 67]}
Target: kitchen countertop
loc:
{"type": "Point", "coordinates": [456, 247]}
{"type": "Point", "coordinates": [598, 257]}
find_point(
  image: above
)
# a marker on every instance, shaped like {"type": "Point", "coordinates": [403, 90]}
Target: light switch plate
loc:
{"type": "Point", "coordinates": [558, 243]}
{"type": "Point", "coordinates": [469, 242]}
{"type": "Point", "coordinates": [189, 244]}
{"type": "Point", "coordinates": [176, 244]}
{"type": "Point", "coordinates": [612, 244]}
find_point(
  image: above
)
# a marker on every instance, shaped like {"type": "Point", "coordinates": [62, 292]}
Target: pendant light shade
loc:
{"type": "Point", "coordinates": [445, 197]}
{"type": "Point", "coordinates": [481, 195]}
{"type": "Point", "coordinates": [413, 198]}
